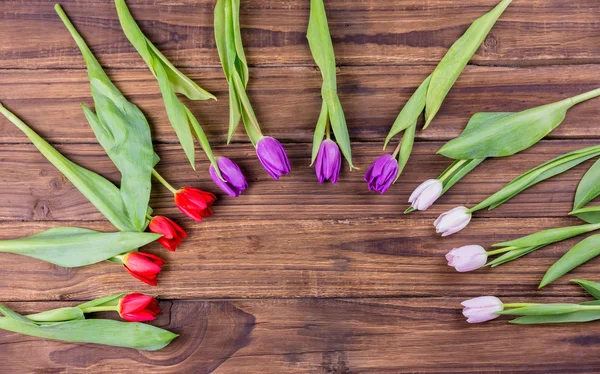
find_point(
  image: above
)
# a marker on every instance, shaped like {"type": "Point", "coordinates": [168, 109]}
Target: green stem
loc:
{"type": "Point", "coordinates": [585, 96]}
{"type": "Point", "coordinates": [163, 181]}
{"type": "Point", "coordinates": [327, 131]}
{"type": "Point", "coordinates": [240, 88]}
{"type": "Point", "coordinates": [149, 217]}
{"type": "Point", "coordinates": [452, 170]}
{"type": "Point", "coordinates": [519, 305]}
{"type": "Point", "coordinates": [95, 309]}
{"type": "Point", "coordinates": [397, 150]}
{"type": "Point", "coordinates": [501, 250]}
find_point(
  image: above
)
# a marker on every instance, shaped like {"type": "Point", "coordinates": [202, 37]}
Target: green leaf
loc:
{"type": "Point", "coordinates": [58, 315]}
{"type": "Point", "coordinates": [582, 252]}
{"type": "Point", "coordinates": [542, 310]}
{"type": "Point", "coordinates": [319, 132]}
{"type": "Point", "coordinates": [231, 53]}
{"type": "Point", "coordinates": [512, 255]}
{"type": "Point", "coordinates": [590, 214]}
{"type": "Point", "coordinates": [406, 147]}
{"type": "Point", "coordinates": [409, 115]}
{"type": "Point", "coordinates": [509, 134]}
{"type": "Point", "coordinates": [170, 80]}
{"type": "Point", "coordinates": [455, 60]}
{"type": "Point", "coordinates": [593, 288]}
{"type": "Point", "coordinates": [321, 47]}
{"type": "Point", "coordinates": [104, 195]}
{"type": "Point", "coordinates": [538, 174]}
{"type": "Point", "coordinates": [98, 331]}
{"type": "Point", "coordinates": [583, 316]}
{"type": "Point", "coordinates": [589, 187]}
{"type": "Point", "coordinates": [123, 132]}
{"type": "Point", "coordinates": [178, 81]}
{"type": "Point", "coordinates": [483, 119]}
{"type": "Point", "coordinates": [74, 247]}
{"type": "Point", "coordinates": [545, 237]}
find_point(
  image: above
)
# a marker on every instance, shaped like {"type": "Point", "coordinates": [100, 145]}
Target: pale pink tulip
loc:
{"type": "Point", "coordinates": [426, 194]}
{"type": "Point", "coordinates": [482, 309]}
{"type": "Point", "coordinates": [467, 258]}
{"type": "Point", "coordinates": [452, 221]}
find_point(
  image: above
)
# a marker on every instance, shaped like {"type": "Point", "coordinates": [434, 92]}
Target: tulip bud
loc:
{"type": "Point", "coordinates": [452, 221]}
{"type": "Point", "coordinates": [382, 173]}
{"type": "Point", "coordinates": [137, 307]}
{"type": "Point", "coordinates": [328, 162]}
{"type": "Point", "coordinates": [482, 309]}
{"type": "Point", "coordinates": [194, 203]}
{"type": "Point", "coordinates": [172, 234]}
{"type": "Point", "coordinates": [272, 156]}
{"type": "Point", "coordinates": [426, 194]}
{"type": "Point", "coordinates": [143, 266]}
{"type": "Point", "coordinates": [467, 258]}
{"type": "Point", "coordinates": [235, 182]}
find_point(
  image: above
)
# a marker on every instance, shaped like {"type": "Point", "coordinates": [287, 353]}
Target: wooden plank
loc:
{"type": "Point", "coordinates": [287, 100]}
{"type": "Point", "coordinates": [303, 258]}
{"type": "Point", "coordinates": [326, 336]}
{"type": "Point", "coordinates": [370, 32]}
{"type": "Point", "coordinates": [36, 191]}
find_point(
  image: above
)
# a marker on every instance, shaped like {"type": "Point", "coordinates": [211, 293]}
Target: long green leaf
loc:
{"type": "Point", "coordinates": [513, 255]}
{"type": "Point", "coordinates": [408, 140]}
{"type": "Point", "coordinates": [98, 331]}
{"type": "Point", "coordinates": [590, 214]}
{"type": "Point", "coordinates": [593, 288]}
{"type": "Point", "coordinates": [507, 135]}
{"type": "Point", "coordinates": [589, 187]}
{"type": "Point", "coordinates": [104, 195]}
{"type": "Point", "coordinates": [123, 132]}
{"type": "Point", "coordinates": [57, 315]}
{"type": "Point", "coordinates": [549, 236]}
{"type": "Point", "coordinates": [74, 247]}
{"type": "Point", "coordinates": [538, 174]}
{"type": "Point", "coordinates": [455, 60]}
{"type": "Point", "coordinates": [319, 132]}
{"type": "Point", "coordinates": [321, 47]}
{"type": "Point", "coordinates": [582, 252]}
{"type": "Point", "coordinates": [583, 316]}
{"type": "Point", "coordinates": [409, 115]}
{"type": "Point", "coordinates": [170, 79]}
{"type": "Point", "coordinates": [542, 310]}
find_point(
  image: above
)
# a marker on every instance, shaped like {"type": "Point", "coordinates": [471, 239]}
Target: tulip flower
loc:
{"type": "Point", "coordinates": [137, 307]}
{"type": "Point", "coordinates": [382, 173]}
{"type": "Point", "coordinates": [233, 182]}
{"type": "Point", "coordinates": [452, 221]}
{"type": "Point", "coordinates": [194, 203]}
{"type": "Point", "coordinates": [467, 258]}
{"type": "Point", "coordinates": [172, 233]}
{"type": "Point", "coordinates": [482, 309]}
{"type": "Point", "coordinates": [328, 162]}
{"type": "Point", "coordinates": [272, 156]}
{"type": "Point", "coordinates": [143, 266]}
{"type": "Point", "coordinates": [426, 194]}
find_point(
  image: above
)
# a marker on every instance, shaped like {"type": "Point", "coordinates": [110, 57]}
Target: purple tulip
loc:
{"type": "Point", "coordinates": [467, 258]}
{"type": "Point", "coordinates": [452, 221]}
{"type": "Point", "coordinates": [482, 309]}
{"type": "Point", "coordinates": [328, 162]}
{"type": "Point", "coordinates": [235, 182]}
{"type": "Point", "coordinates": [272, 156]}
{"type": "Point", "coordinates": [382, 173]}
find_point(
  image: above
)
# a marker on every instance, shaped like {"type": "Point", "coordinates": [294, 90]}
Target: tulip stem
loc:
{"type": "Point", "coordinates": [501, 250]}
{"type": "Point", "coordinates": [519, 305]}
{"type": "Point", "coordinates": [163, 181]}
{"type": "Point", "coordinates": [327, 131]}
{"type": "Point", "coordinates": [460, 163]}
{"type": "Point", "coordinates": [397, 150]}
{"type": "Point", "coordinates": [106, 308]}
{"type": "Point", "coordinates": [149, 217]}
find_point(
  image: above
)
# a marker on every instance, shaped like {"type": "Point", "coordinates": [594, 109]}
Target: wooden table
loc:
{"type": "Point", "coordinates": [295, 276]}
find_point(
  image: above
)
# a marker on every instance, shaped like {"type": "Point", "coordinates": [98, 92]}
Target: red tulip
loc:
{"type": "Point", "coordinates": [137, 307]}
{"type": "Point", "coordinates": [194, 203]}
{"type": "Point", "coordinates": [172, 234]}
{"type": "Point", "coordinates": [143, 266]}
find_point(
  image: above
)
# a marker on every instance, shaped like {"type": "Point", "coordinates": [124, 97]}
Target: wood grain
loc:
{"type": "Point", "coordinates": [368, 32]}
{"type": "Point", "coordinates": [322, 336]}
{"type": "Point", "coordinates": [304, 258]}
{"type": "Point", "coordinates": [287, 100]}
